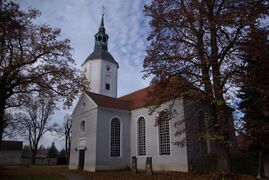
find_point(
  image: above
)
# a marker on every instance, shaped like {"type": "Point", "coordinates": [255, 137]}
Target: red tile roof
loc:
{"type": "Point", "coordinates": [136, 99]}
{"type": "Point", "coordinates": [11, 145]}
{"type": "Point", "coordinates": [130, 101]}
{"type": "Point", "coordinates": [139, 98]}
{"type": "Point", "coordinates": [106, 101]}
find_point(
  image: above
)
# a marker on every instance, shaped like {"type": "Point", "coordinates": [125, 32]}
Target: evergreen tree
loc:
{"type": "Point", "coordinates": [255, 88]}
{"type": "Point", "coordinates": [52, 151]}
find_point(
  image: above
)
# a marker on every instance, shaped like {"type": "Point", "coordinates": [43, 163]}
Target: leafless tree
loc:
{"type": "Point", "coordinates": [65, 132]}
{"type": "Point", "coordinates": [35, 121]}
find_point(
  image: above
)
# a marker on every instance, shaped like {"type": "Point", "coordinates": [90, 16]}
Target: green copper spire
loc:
{"type": "Point", "coordinates": [101, 37]}
{"type": "Point", "coordinates": [100, 48]}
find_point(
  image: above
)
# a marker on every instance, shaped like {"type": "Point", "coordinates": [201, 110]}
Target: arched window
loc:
{"type": "Point", "coordinates": [99, 38]}
{"type": "Point", "coordinates": [104, 39]}
{"type": "Point", "coordinates": [164, 136]}
{"type": "Point", "coordinates": [141, 136]}
{"type": "Point", "coordinates": [201, 117]}
{"type": "Point", "coordinates": [82, 126]}
{"type": "Point", "coordinates": [115, 138]}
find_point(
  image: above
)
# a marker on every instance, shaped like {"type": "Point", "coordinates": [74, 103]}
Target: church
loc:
{"type": "Point", "coordinates": [107, 131]}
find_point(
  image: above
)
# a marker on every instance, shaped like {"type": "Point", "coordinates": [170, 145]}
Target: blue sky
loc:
{"type": "Point", "coordinates": [79, 20]}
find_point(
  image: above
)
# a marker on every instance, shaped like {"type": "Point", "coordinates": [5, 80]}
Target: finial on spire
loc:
{"type": "Point", "coordinates": [103, 12]}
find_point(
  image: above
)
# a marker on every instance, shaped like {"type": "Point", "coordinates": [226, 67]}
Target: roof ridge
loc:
{"type": "Point", "coordinates": [105, 96]}
{"type": "Point", "coordinates": [134, 92]}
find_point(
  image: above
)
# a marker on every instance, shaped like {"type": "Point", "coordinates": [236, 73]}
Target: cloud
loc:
{"type": "Point", "coordinates": [125, 24]}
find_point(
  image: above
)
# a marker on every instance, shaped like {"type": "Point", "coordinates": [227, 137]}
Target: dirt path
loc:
{"type": "Point", "coordinates": [72, 176]}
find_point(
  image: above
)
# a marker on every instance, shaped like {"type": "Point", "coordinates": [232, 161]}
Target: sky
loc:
{"type": "Point", "coordinates": [79, 20]}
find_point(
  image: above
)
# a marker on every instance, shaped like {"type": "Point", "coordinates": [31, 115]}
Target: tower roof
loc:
{"type": "Point", "coordinates": [100, 54]}
{"type": "Point", "coordinates": [100, 47]}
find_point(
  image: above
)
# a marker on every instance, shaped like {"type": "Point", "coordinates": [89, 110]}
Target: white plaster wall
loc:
{"type": "Point", "coordinates": [177, 160]}
{"type": "Point", "coordinates": [96, 71]}
{"type": "Point", "coordinates": [103, 159]}
{"type": "Point", "coordinates": [80, 140]}
{"type": "Point", "coordinates": [92, 70]}
{"type": "Point", "coordinates": [114, 77]}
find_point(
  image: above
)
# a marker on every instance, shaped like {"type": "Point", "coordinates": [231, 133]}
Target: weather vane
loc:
{"type": "Point", "coordinates": [103, 10]}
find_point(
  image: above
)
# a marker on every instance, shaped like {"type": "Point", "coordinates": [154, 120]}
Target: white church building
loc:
{"type": "Point", "coordinates": [107, 131]}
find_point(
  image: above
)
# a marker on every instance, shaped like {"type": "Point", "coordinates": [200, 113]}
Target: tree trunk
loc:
{"type": "Point", "coordinates": [223, 144]}
{"type": "Point", "coordinates": [223, 159]}
{"type": "Point", "coordinates": [2, 112]}
{"type": "Point", "coordinates": [34, 157]}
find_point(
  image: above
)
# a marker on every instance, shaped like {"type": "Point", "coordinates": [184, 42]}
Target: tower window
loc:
{"type": "Point", "coordinates": [99, 38]}
{"type": "Point", "coordinates": [107, 86]}
{"type": "Point", "coordinates": [115, 138]}
{"type": "Point", "coordinates": [104, 39]}
{"type": "Point", "coordinates": [108, 69]}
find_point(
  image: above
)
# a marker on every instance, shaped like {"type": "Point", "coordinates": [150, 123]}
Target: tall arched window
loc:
{"type": "Point", "coordinates": [164, 136]}
{"type": "Point", "coordinates": [141, 136]}
{"type": "Point", "coordinates": [115, 138]}
{"type": "Point", "coordinates": [201, 117]}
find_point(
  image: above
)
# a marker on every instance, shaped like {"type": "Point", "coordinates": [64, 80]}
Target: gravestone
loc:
{"type": "Point", "coordinates": [266, 167]}
{"type": "Point", "coordinates": [134, 164]}
{"type": "Point", "coordinates": [149, 166]}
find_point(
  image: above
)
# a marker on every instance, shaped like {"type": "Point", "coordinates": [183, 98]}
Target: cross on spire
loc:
{"type": "Point", "coordinates": [103, 12]}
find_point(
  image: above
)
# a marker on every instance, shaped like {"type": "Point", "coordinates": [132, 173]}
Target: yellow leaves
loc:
{"type": "Point", "coordinates": [218, 102]}
{"type": "Point", "coordinates": [216, 138]}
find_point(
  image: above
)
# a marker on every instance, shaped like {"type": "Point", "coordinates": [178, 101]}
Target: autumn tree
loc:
{"type": "Point", "coordinates": [198, 42]}
{"type": "Point", "coordinates": [33, 58]}
{"type": "Point", "coordinates": [254, 91]}
{"type": "Point", "coordinates": [34, 121]}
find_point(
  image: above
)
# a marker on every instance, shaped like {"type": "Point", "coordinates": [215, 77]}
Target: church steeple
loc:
{"type": "Point", "coordinates": [101, 38]}
{"type": "Point", "coordinates": [100, 68]}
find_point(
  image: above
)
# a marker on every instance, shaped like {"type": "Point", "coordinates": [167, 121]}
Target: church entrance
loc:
{"type": "Point", "coordinates": [81, 158]}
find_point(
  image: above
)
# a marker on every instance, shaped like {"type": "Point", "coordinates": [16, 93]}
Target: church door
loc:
{"type": "Point", "coordinates": [81, 159]}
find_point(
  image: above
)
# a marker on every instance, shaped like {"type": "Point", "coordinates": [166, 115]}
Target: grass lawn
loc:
{"type": "Point", "coordinates": [53, 173]}
{"type": "Point", "coordinates": [32, 173]}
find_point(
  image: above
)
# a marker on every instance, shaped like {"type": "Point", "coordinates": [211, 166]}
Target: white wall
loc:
{"type": "Point", "coordinates": [103, 159]}
{"type": "Point", "coordinates": [96, 72]}
{"type": "Point", "coordinates": [80, 140]}
{"type": "Point", "coordinates": [92, 70]}
{"type": "Point", "coordinates": [177, 160]}
{"type": "Point", "coordinates": [113, 73]}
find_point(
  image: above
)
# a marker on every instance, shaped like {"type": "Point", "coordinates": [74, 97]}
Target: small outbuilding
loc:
{"type": "Point", "coordinates": [11, 152]}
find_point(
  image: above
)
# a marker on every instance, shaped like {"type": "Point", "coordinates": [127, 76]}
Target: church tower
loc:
{"type": "Point", "coordinates": [100, 67]}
